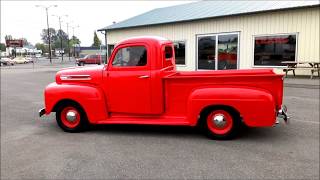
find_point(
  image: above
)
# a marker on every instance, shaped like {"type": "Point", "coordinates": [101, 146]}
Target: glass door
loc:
{"type": "Point", "coordinates": [227, 51]}
{"type": "Point", "coordinates": [207, 52]}
{"type": "Point", "coordinates": [218, 51]}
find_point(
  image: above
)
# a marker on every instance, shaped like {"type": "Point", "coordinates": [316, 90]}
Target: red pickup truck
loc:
{"type": "Point", "coordinates": [90, 59]}
{"type": "Point", "coordinates": [140, 85]}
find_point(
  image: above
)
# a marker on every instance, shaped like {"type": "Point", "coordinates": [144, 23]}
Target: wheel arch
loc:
{"type": "Point", "coordinates": [90, 98]}
{"type": "Point", "coordinates": [66, 101]}
{"type": "Point", "coordinates": [255, 106]}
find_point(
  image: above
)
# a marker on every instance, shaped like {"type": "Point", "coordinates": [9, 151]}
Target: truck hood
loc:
{"type": "Point", "coordinates": [92, 75]}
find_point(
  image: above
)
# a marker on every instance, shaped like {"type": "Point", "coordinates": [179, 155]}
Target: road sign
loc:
{"type": "Point", "coordinates": [14, 43]}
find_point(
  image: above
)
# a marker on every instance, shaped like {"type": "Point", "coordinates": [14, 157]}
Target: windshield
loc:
{"type": "Point", "coordinates": [83, 55]}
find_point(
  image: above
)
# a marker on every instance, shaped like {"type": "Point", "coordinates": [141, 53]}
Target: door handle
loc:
{"type": "Point", "coordinates": [143, 76]}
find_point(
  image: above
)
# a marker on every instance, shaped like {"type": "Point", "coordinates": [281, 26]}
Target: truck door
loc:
{"type": "Point", "coordinates": [129, 82]}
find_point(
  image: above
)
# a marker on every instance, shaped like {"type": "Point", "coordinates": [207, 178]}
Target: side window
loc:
{"type": "Point", "coordinates": [180, 52]}
{"type": "Point", "coordinates": [131, 56]}
{"type": "Point", "coordinates": [168, 52]}
{"type": "Point", "coordinates": [168, 56]}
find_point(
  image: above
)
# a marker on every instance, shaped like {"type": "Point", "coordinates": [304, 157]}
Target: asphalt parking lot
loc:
{"type": "Point", "coordinates": [36, 148]}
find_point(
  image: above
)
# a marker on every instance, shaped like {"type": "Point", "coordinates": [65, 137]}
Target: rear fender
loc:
{"type": "Point", "coordinates": [91, 98]}
{"type": "Point", "coordinates": [256, 106]}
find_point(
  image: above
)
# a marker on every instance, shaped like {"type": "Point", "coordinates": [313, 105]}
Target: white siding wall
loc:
{"type": "Point", "coordinates": [305, 22]}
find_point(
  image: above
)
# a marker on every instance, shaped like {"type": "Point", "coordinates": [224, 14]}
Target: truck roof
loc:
{"type": "Point", "coordinates": [146, 39]}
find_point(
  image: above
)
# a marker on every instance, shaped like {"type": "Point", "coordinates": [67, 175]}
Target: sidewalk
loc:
{"type": "Point", "coordinates": [302, 82]}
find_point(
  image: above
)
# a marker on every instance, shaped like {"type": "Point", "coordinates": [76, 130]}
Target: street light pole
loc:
{"type": "Point", "coordinates": [68, 39]}
{"type": "Point", "coordinates": [73, 37]}
{"type": "Point", "coordinates": [49, 37]}
{"type": "Point", "coordinates": [61, 39]}
{"type": "Point", "coordinates": [59, 17]}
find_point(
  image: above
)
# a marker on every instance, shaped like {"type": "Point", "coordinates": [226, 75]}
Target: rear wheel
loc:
{"type": "Point", "coordinates": [71, 118]}
{"type": "Point", "coordinates": [221, 124]}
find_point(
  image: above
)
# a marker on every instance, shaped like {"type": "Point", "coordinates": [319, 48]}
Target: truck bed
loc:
{"type": "Point", "coordinates": [180, 85]}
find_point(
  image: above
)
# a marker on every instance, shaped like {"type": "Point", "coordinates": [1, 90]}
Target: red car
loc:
{"type": "Point", "coordinates": [91, 59]}
{"type": "Point", "coordinates": [140, 85]}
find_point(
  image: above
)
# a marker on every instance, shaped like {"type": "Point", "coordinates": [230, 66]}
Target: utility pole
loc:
{"type": "Point", "coordinates": [68, 40]}
{"type": "Point", "coordinates": [49, 37]}
{"type": "Point", "coordinates": [62, 52]}
{"type": "Point", "coordinates": [60, 30]}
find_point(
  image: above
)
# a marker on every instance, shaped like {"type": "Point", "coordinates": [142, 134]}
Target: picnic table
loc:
{"type": "Point", "coordinates": [292, 66]}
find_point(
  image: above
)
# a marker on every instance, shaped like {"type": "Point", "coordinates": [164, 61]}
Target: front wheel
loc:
{"type": "Point", "coordinates": [222, 124]}
{"type": "Point", "coordinates": [71, 118]}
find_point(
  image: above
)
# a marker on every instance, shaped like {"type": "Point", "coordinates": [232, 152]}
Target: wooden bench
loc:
{"type": "Point", "coordinates": [293, 66]}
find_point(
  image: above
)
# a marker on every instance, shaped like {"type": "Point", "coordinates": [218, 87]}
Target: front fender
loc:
{"type": "Point", "coordinates": [256, 106]}
{"type": "Point", "coordinates": [90, 97]}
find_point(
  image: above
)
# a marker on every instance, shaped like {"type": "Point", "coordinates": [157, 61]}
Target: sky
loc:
{"type": "Point", "coordinates": [22, 19]}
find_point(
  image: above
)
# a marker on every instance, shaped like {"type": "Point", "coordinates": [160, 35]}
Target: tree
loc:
{"type": "Point", "coordinates": [25, 42]}
{"type": "Point", "coordinates": [8, 37]}
{"type": "Point", "coordinates": [62, 34]}
{"type": "Point", "coordinates": [57, 44]}
{"type": "Point", "coordinates": [2, 47]}
{"type": "Point", "coordinates": [43, 47]}
{"type": "Point", "coordinates": [96, 40]}
{"type": "Point", "coordinates": [13, 53]}
{"type": "Point", "coordinates": [44, 35]}
{"type": "Point", "coordinates": [74, 40]}
{"type": "Point", "coordinates": [55, 40]}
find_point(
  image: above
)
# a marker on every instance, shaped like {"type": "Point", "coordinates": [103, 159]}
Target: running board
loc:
{"type": "Point", "coordinates": [146, 121]}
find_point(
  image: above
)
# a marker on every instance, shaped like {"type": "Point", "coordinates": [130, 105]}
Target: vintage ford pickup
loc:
{"type": "Point", "coordinates": [140, 85]}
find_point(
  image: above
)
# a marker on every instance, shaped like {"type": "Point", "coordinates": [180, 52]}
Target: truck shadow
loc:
{"type": "Point", "coordinates": [184, 131]}
{"type": "Point", "coordinates": [153, 130]}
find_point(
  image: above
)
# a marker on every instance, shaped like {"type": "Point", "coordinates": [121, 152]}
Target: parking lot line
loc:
{"type": "Point", "coordinates": [305, 121]}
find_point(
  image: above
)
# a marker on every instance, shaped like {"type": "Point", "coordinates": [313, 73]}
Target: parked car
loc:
{"type": "Point", "coordinates": [90, 59]}
{"type": "Point", "coordinates": [29, 59]}
{"type": "Point", "coordinates": [7, 61]}
{"type": "Point", "coordinates": [140, 85]}
{"type": "Point", "coordinates": [38, 56]}
{"type": "Point", "coordinates": [20, 60]}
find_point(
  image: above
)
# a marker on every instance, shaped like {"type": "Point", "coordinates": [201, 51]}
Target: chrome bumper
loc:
{"type": "Point", "coordinates": [282, 113]}
{"type": "Point", "coordinates": [42, 112]}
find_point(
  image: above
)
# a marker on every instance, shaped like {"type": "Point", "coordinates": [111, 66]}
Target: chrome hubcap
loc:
{"type": "Point", "coordinates": [219, 120]}
{"type": "Point", "coordinates": [71, 116]}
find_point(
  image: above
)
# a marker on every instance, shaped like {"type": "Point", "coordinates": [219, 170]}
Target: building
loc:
{"type": "Point", "coordinates": [230, 34]}
{"type": "Point", "coordinates": [22, 51]}
{"type": "Point", "coordinates": [92, 50]}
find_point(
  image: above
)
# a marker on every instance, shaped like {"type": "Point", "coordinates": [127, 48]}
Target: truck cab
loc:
{"type": "Point", "coordinates": [140, 85]}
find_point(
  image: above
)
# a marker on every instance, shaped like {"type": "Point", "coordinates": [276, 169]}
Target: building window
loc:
{"type": "Point", "coordinates": [218, 51]}
{"type": "Point", "coordinates": [227, 51]}
{"type": "Point", "coordinates": [180, 52]}
{"type": "Point", "coordinates": [207, 52]}
{"type": "Point", "coordinates": [131, 56]}
{"type": "Point", "coordinates": [272, 50]}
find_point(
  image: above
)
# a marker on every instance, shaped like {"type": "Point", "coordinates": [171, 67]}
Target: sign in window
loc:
{"type": "Point", "coordinates": [272, 50]}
